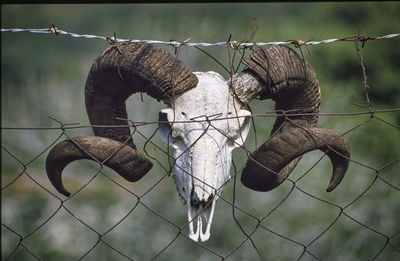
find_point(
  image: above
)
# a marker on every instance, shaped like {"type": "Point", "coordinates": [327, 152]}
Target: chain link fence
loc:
{"type": "Point", "coordinates": [107, 218]}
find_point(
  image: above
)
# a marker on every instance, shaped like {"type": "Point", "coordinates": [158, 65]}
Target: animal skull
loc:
{"type": "Point", "coordinates": [203, 123]}
{"type": "Point", "coordinates": [204, 126]}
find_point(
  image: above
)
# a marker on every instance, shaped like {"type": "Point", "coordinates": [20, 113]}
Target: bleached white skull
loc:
{"type": "Point", "coordinates": [205, 125]}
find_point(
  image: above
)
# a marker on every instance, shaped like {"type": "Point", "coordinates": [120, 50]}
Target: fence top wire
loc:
{"type": "Point", "coordinates": [55, 31]}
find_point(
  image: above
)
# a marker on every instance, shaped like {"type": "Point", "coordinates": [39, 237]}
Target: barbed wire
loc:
{"type": "Point", "coordinates": [234, 44]}
{"type": "Point", "coordinates": [342, 209]}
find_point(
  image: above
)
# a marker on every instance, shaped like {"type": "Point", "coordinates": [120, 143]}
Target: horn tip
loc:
{"type": "Point", "coordinates": [64, 192]}
{"type": "Point", "coordinates": [330, 189]}
{"type": "Point", "coordinates": [332, 186]}
{"type": "Point", "coordinates": [56, 181]}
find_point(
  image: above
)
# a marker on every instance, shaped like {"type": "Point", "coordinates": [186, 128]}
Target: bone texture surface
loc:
{"type": "Point", "coordinates": [204, 127]}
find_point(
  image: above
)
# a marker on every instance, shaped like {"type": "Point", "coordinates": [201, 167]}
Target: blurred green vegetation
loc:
{"type": "Point", "coordinates": [44, 75]}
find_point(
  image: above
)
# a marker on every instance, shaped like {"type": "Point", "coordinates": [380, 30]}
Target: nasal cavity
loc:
{"type": "Point", "coordinates": [195, 201]}
{"type": "Point", "coordinates": [199, 204]}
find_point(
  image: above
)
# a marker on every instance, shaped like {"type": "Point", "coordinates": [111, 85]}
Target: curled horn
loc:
{"type": "Point", "coordinates": [278, 73]}
{"type": "Point", "coordinates": [116, 74]}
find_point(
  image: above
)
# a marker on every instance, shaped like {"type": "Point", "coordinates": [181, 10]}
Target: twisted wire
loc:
{"type": "Point", "coordinates": [233, 44]}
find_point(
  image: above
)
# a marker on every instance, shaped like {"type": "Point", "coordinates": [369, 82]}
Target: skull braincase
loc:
{"type": "Point", "coordinates": [205, 125]}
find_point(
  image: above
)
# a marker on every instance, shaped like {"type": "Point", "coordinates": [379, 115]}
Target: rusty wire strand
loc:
{"type": "Point", "coordinates": [264, 217]}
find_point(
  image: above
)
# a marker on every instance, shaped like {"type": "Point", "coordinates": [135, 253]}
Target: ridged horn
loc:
{"type": "Point", "coordinates": [117, 73]}
{"type": "Point", "coordinates": [280, 74]}
{"type": "Point", "coordinates": [263, 172]}
{"type": "Point", "coordinates": [124, 160]}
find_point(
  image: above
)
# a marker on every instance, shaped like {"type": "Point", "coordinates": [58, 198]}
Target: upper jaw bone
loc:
{"type": "Point", "coordinates": [199, 213]}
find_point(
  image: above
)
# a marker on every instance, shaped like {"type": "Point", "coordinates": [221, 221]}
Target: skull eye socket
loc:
{"type": "Point", "coordinates": [170, 133]}
{"type": "Point", "coordinates": [241, 125]}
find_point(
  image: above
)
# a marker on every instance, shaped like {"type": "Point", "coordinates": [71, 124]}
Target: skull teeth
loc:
{"type": "Point", "coordinates": [196, 213]}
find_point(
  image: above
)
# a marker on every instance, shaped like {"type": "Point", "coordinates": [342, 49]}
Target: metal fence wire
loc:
{"type": "Point", "coordinates": [106, 217]}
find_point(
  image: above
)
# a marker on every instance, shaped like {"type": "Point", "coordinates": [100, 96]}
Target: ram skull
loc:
{"type": "Point", "coordinates": [204, 126]}
{"type": "Point", "coordinates": [203, 122]}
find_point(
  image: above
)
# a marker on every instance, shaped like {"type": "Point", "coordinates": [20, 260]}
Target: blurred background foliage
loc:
{"type": "Point", "coordinates": [44, 75]}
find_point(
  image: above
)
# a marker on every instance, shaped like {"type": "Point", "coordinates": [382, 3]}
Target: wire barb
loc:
{"type": "Point", "coordinates": [234, 44]}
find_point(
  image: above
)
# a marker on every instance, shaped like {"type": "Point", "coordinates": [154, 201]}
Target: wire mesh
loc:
{"type": "Point", "coordinates": [259, 228]}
